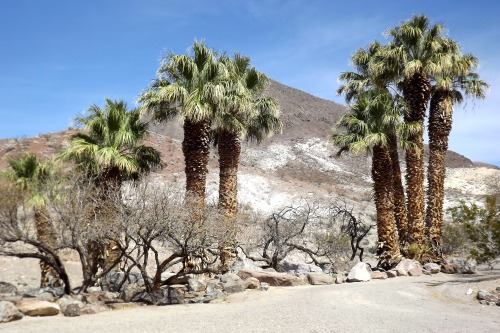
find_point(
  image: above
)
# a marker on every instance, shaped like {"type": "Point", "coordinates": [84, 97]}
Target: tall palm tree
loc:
{"type": "Point", "coordinates": [416, 53]}
{"type": "Point", "coordinates": [190, 87]}
{"type": "Point", "coordinates": [243, 112]}
{"type": "Point", "coordinates": [109, 151]}
{"type": "Point", "coordinates": [367, 125]}
{"type": "Point", "coordinates": [372, 74]}
{"type": "Point", "coordinates": [457, 79]}
{"type": "Point", "coordinates": [32, 175]}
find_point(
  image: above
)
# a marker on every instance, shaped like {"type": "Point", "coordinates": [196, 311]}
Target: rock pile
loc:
{"type": "Point", "coordinates": [114, 295]}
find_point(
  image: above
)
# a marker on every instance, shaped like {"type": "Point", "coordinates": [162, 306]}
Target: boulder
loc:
{"type": "Point", "coordinates": [487, 296]}
{"type": "Point", "coordinates": [304, 269]}
{"type": "Point", "coordinates": [7, 289]}
{"type": "Point", "coordinates": [252, 283]}
{"type": "Point", "coordinates": [171, 295]}
{"type": "Point", "coordinates": [9, 312]}
{"type": "Point", "coordinates": [359, 273]}
{"type": "Point", "coordinates": [433, 268]}
{"type": "Point", "coordinates": [319, 279]}
{"type": "Point", "coordinates": [35, 307]}
{"type": "Point", "coordinates": [46, 293]}
{"type": "Point", "coordinates": [196, 285]}
{"type": "Point", "coordinates": [70, 307]}
{"type": "Point", "coordinates": [377, 275]}
{"type": "Point", "coordinates": [340, 279]}
{"type": "Point", "coordinates": [117, 281]}
{"type": "Point", "coordinates": [232, 283]}
{"type": "Point", "coordinates": [415, 271]}
{"type": "Point", "coordinates": [392, 274]}
{"type": "Point", "coordinates": [447, 269]}
{"type": "Point", "coordinates": [405, 265]}
{"type": "Point", "coordinates": [463, 266]}
{"type": "Point", "coordinates": [130, 291]}
{"type": "Point", "coordinates": [272, 277]}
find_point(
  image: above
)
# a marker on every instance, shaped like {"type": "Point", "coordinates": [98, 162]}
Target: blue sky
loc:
{"type": "Point", "coordinates": [60, 56]}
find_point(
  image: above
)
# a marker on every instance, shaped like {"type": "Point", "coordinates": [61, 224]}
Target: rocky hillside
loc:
{"type": "Point", "coordinates": [295, 165]}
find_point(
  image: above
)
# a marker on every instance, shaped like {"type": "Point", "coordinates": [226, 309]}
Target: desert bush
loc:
{"type": "Point", "coordinates": [155, 217]}
{"type": "Point", "coordinates": [327, 234]}
{"type": "Point", "coordinates": [481, 227]}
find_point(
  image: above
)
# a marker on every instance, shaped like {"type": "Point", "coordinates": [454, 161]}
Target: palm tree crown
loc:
{"type": "Point", "coordinates": [109, 147]}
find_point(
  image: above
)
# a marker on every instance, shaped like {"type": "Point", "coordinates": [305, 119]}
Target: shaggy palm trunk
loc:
{"type": "Point", "coordinates": [416, 90]}
{"type": "Point", "coordinates": [384, 203]}
{"type": "Point", "coordinates": [400, 213]}
{"type": "Point", "coordinates": [46, 236]}
{"type": "Point", "coordinates": [229, 146]}
{"type": "Point", "coordinates": [229, 157]}
{"type": "Point", "coordinates": [196, 149]}
{"type": "Point", "coordinates": [440, 123]}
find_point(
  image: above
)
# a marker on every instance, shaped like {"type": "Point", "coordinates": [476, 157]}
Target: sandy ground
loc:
{"type": "Point", "coordinates": [437, 303]}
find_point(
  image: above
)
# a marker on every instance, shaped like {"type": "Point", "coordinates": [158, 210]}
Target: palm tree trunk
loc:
{"type": "Point", "coordinates": [196, 149]}
{"type": "Point", "coordinates": [229, 157]}
{"type": "Point", "coordinates": [400, 213]}
{"type": "Point", "coordinates": [384, 203]}
{"type": "Point", "coordinates": [416, 91]}
{"type": "Point", "coordinates": [440, 123]}
{"type": "Point", "coordinates": [46, 235]}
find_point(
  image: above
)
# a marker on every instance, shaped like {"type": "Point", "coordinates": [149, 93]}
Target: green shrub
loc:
{"type": "Point", "coordinates": [481, 227]}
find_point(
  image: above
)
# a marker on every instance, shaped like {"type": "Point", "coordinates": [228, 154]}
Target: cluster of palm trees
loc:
{"type": "Point", "coordinates": [389, 94]}
{"type": "Point", "coordinates": [219, 100]}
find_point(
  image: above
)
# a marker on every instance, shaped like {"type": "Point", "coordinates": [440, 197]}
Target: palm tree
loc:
{"type": "Point", "coordinates": [243, 112]}
{"type": "Point", "coordinates": [367, 125]}
{"type": "Point", "coordinates": [459, 77]}
{"type": "Point", "coordinates": [373, 75]}
{"type": "Point", "coordinates": [32, 175]}
{"type": "Point", "coordinates": [109, 152]}
{"type": "Point", "coordinates": [416, 53]}
{"type": "Point", "coordinates": [189, 87]}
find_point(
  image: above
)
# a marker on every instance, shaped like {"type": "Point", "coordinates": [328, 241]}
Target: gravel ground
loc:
{"type": "Point", "coordinates": [414, 304]}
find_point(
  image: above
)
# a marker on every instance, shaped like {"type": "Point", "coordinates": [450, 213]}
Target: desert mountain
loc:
{"type": "Point", "coordinates": [295, 165]}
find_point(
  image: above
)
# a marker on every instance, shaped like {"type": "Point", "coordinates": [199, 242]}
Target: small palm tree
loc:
{"type": "Point", "coordinates": [243, 112]}
{"type": "Point", "coordinates": [367, 125]}
{"type": "Point", "coordinates": [458, 79]}
{"type": "Point", "coordinates": [417, 52]}
{"type": "Point", "coordinates": [32, 176]}
{"type": "Point", "coordinates": [189, 87]}
{"type": "Point", "coordinates": [109, 152]}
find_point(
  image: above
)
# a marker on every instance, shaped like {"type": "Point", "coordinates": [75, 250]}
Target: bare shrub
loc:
{"type": "Point", "coordinates": [153, 217]}
{"type": "Point", "coordinates": [327, 234]}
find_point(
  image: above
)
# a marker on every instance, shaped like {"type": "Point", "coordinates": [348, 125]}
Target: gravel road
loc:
{"type": "Point", "coordinates": [415, 304]}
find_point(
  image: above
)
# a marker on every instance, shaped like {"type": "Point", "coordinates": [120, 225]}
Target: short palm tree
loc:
{"type": "Point", "coordinates": [372, 74]}
{"type": "Point", "coordinates": [32, 175]}
{"type": "Point", "coordinates": [458, 79]}
{"type": "Point", "coordinates": [367, 125]}
{"type": "Point", "coordinates": [109, 151]}
{"type": "Point", "coordinates": [416, 53]}
{"type": "Point", "coordinates": [189, 87]}
{"type": "Point", "coordinates": [243, 112]}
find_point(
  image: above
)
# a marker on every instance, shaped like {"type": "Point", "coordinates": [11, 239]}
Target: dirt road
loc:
{"type": "Point", "coordinates": [424, 304]}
